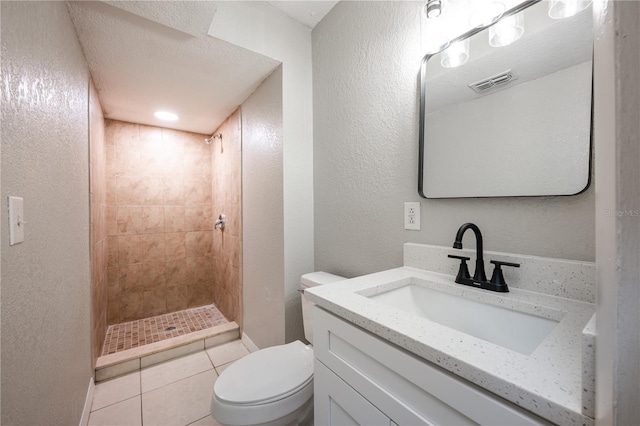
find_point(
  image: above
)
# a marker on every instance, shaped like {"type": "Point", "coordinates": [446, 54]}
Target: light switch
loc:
{"type": "Point", "coordinates": [16, 220]}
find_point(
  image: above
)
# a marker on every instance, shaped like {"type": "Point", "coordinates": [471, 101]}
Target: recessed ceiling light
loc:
{"type": "Point", "coordinates": [164, 115]}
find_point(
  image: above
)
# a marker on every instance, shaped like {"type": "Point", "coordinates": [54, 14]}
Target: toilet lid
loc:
{"type": "Point", "coordinates": [266, 375]}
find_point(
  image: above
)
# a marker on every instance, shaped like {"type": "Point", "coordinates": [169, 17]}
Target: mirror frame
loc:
{"type": "Point", "coordinates": [423, 80]}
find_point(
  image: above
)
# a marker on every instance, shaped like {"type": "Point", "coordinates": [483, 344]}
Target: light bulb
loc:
{"type": "Point", "coordinates": [507, 30]}
{"type": "Point", "coordinates": [433, 8]}
{"type": "Point", "coordinates": [559, 9]}
{"type": "Point", "coordinates": [456, 54]}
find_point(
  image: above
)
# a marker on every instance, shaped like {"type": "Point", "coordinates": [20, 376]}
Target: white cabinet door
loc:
{"type": "Point", "coordinates": [338, 404]}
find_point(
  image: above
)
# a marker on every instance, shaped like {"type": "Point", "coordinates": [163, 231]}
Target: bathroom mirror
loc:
{"type": "Point", "coordinates": [512, 120]}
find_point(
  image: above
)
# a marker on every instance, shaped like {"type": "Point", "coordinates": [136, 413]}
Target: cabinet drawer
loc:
{"type": "Point", "coordinates": [403, 386]}
{"type": "Point", "coordinates": [337, 403]}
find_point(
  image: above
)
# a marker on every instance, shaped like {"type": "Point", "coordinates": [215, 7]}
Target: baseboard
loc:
{"type": "Point", "coordinates": [249, 344]}
{"type": "Point", "coordinates": [84, 420]}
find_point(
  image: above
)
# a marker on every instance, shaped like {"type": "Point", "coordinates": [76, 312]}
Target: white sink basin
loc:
{"type": "Point", "coordinates": [518, 331]}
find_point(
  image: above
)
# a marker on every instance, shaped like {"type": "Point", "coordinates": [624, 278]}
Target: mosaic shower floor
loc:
{"type": "Point", "coordinates": [133, 334]}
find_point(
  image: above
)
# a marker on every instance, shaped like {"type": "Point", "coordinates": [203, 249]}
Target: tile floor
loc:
{"type": "Point", "coordinates": [133, 334]}
{"type": "Point", "coordinates": [176, 393]}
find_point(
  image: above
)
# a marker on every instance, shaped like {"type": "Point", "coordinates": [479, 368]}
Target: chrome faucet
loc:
{"type": "Point", "coordinates": [479, 279]}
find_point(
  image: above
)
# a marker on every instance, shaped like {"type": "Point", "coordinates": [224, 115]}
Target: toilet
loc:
{"type": "Point", "coordinates": [272, 386]}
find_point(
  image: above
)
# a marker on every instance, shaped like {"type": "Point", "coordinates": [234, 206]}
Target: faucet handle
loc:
{"type": "Point", "coordinates": [497, 278]}
{"type": "Point", "coordinates": [462, 258]}
{"type": "Point", "coordinates": [463, 271]}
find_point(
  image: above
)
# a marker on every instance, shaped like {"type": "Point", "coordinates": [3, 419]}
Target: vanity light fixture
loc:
{"type": "Point", "coordinates": [507, 30]}
{"type": "Point", "coordinates": [486, 14]}
{"type": "Point", "coordinates": [433, 8]}
{"type": "Point", "coordinates": [560, 9]}
{"type": "Point", "coordinates": [456, 54]}
{"type": "Point", "coordinates": [165, 115]}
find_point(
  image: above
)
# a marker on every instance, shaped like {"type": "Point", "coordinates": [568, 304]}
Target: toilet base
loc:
{"type": "Point", "coordinates": [303, 416]}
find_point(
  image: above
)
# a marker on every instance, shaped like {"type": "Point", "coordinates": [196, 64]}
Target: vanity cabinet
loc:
{"type": "Point", "coordinates": [360, 378]}
{"type": "Point", "coordinates": [345, 406]}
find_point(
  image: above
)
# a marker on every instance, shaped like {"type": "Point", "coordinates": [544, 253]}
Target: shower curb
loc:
{"type": "Point", "coordinates": [113, 365]}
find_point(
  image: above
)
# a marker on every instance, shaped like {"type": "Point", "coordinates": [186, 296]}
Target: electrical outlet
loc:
{"type": "Point", "coordinates": [412, 215]}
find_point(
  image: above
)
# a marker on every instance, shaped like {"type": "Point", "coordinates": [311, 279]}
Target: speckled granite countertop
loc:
{"type": "Point", "coordinates": [548, 382]}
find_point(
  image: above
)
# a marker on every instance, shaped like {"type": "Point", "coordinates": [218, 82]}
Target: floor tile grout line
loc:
{"type": "Point", "coordinates": [114, 403]}
{"type": "Point", "coordinates": [177, 381]}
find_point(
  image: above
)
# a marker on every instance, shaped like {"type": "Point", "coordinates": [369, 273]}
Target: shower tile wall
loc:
{"type": "Point", "coordinates": [160, 221]}
{"type": "Point", "coordinates": [98, 221]}
{"type": "Point", "coordinates": [226, 158]}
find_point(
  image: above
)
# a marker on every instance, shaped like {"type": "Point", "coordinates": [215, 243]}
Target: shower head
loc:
{"type": "Point", "coordinates": [209, 140]}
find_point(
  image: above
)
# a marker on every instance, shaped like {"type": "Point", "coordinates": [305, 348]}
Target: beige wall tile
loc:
{"type": "Point", "coordinates": [172, 166]}
{"type": "Point", "coordinates": [175, 247]}
{"type": "Point", "coordinates": [150, 207]}
{"type": "Point", "coordinates": [234, 220]}
{"type": "Point", "coordinates": [150, 138]}
{"type": "Point", "coordinates": [130, 249]}
{"type": "Point", "coordinates": [112, 256]}
{"type": "Point", "coordinates": [177, 298]}
{"type": "Point", "coordinates": [129, 220]}
{"type": "Point", "coordinates": [198, 243]}
{"type": "Point", "coordinates": [111, 191]}
{"type": "Point", "coordinates": [113, 286]}
{"type": "Point", "coordinates": [140, 220]}
{"type": "Point", "coordinates": [194, 144]}
{"type": "Point", "coordinates": [197, 167]}
{"type": "Point", "coordinates": [153, 247]}
{"type": "Point", "coordinates": [130, 278]}
{"type": "Point", "coordinates": [233, 180]}
{"type": "Point", "coordinates": [113, 311]}
{"type": "Point", "coordinates": [152, 220]}
{"type": "Point", "coordinates": [102, 221]}
{"type": "Point", "coordinates": [112, 220]}
{"type": "Point", "coordinates": [121, 134]}
{"type": "Point", "coordinates": [155, 302]}
{"type": "Point", "coordinates": [153, 275]}
{"type": "Point", "coordinates": [197, 192]}
{"type": "Point", "coordinates": [140, 191]}
{"type": "Point", "coordinates": [93, 223]}
{"type": "Point", "coordinates": [110, 152]}
{"type": "Point", "coordinates": [173, 191]}
{"type": "Point", "coordinates": [131, 306]}
{"type": "Point", "coordinates": [176, 272]}
{"type": "Point", "coordinates": [220, 274]}
{"type": "Point", "coordinates": [199, 270]}
{"type": "Point", "coordinates": [232, 244]}
{"type": "Point", "coordinates": [200, 294]}
{"type": "Point", "coordinates": [174, 219]}
{"type": "Point", "coordinates": [174, 141]}
{"type": "Point", "coordinates": [198, 218]}
{"type": "Point", "coordinates": [129, 162]}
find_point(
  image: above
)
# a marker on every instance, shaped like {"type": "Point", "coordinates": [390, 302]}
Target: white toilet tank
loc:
{"type": "Point", "coordinates": [311, 280]}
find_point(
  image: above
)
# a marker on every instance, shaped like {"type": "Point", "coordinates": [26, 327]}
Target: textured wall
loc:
{"type": "Point", "coordinates": [263, 222]}
{"type": "Point", "coordinates": [46, 347]}
{"type": "Point", "coordinates": [366, 59]}
{"type": "Point", "coordinates": [159, 221]}
{"type": "Point", "coordinates": [259, 27]}
{"type": "Point", "coordinates": [617, 141]}
{"type": "Point", "coordinates": [98, 235]}
{"type": "Point", "coordinates": [226, 157]}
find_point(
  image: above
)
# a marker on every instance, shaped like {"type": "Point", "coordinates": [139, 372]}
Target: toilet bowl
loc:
{"type": "Point", "coordinates": [272, 386]}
